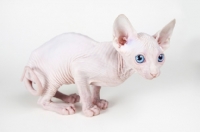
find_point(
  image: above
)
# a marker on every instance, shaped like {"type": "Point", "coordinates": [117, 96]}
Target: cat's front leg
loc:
{"type": "Point", "coordinates": [88, 108]}
{"type": "Point", "coordinates": [101, 103]}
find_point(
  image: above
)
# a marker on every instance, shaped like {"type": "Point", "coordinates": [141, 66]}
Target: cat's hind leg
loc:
{"type": "Point", "coordinates": [72, 98]}
{"type": "Point", "coordinates": [60, 108]}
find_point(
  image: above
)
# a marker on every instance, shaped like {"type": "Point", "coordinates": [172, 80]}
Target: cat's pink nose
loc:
{"type": "Point", "coordinates": [154, 74]}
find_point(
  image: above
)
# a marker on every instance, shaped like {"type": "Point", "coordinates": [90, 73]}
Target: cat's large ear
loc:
{"type": "Point", "coordinates": [163, 36]}
{"type": "Point", "coordinates": [123, 31]}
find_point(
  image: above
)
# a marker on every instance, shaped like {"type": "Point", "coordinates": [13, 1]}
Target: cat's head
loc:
{"type": "Point", "coordinates": [142, 52]}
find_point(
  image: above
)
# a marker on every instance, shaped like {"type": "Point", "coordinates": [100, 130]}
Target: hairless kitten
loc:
{"type": "Point", "coordinates": [73, 58]}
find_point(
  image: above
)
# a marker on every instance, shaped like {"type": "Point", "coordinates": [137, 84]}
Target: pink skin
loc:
{"type": "Point", "coordinates": [73, 58]}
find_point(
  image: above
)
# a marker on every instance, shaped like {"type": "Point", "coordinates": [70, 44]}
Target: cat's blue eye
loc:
{"type": "Point", "coordinates": [139, 58]}
{"type": "Point", "coordinates": [160, 57]}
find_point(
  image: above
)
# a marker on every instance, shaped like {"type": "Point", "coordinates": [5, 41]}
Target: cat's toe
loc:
{"type": "Point", "coordinates": [102, 104]}
{"type": "Point", "coordinates": [92, 111]}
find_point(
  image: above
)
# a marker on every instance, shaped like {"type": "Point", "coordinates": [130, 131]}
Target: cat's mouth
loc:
{"type": "Point", "coordinates": [150, 77]}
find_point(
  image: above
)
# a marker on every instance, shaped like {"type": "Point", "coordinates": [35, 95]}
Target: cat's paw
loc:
{"type": "Point", "coordinates": [60, 108]}
{"type": "Point", "coordinates": [93, 111]}
{"type": "Point", "coordinates": [66, 110]}
{"type": "Point", "coordinates": [102, 104]}
{"type": "Point", "coordinates": [73, 98]}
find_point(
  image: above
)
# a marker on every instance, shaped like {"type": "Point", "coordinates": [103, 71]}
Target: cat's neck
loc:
{"type": "Point", "coordinates": [124, 71]}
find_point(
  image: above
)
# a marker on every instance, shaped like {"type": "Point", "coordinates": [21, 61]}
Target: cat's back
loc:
{"type": "Point", "coordinates": [62, 48]}
{"type": "Point", "coordinates": [67, 43]}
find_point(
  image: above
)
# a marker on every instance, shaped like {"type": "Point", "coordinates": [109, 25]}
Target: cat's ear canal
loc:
{"type": "Point", "coordinates": [163, 36]}
{"type": "Point", "coordinates": [123, 30]}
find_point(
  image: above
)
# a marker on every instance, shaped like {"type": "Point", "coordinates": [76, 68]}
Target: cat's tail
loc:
{"type": "Point", "coordinates": [29, 77]}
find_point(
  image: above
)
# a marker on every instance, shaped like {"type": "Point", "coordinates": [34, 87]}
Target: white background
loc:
{"type": "Point", "coordinates": [170, 103]}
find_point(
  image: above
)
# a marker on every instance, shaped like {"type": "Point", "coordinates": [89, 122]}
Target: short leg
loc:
{"type": "Point", "coordinates": [88, 108]}
{"type": "Point", "coordinates": [101, 103]}
{"type": "Point", "coordinates": [61, 108]}
{"type": "Point", "coordinates": [73, 98]}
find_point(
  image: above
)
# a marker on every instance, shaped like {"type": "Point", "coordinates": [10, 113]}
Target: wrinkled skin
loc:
{"type": "Point", "coordinates": [73, 58]}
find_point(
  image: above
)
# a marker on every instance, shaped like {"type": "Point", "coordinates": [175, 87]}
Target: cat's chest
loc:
{"type": "Point", "coordinates": [110, 78]}
{"type": "Point", "coordinates": [106, 81]}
